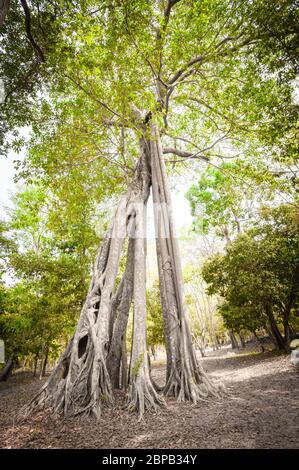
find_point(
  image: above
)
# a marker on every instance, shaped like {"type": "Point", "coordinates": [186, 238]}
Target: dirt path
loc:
{"type": "Point", "coordinates": [261, 411]}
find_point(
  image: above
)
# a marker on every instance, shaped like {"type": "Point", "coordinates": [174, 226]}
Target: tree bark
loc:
{"type": "Point", "coordinates": [89, 367]}
{"type": "Point", "coordinates": [186, 380]}
{"type": "Point", "coordinates": [36, 362]}
{"type": "Point", "coordinates": [270, 334]}
{"type": "Point", "coordinates": [233, 340]}
{"type": "Point", "coordinates": [124, 366]}
{"type": "Point", "coordinates": [80, 384]}
{"type": "Point", "coordinates": [121, 319]}
{"type": "Point", "coordinates": [4, 6]}
{"type": "Point", "coordinates": [142, 394]}
{"type": "Point", "coordinates": [286, 328]}
{"type": "Point", "coordinates": [275, 330]}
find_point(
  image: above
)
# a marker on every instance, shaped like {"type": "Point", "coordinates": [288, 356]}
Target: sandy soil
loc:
{"type": "Point", "coordinates": [260, 411]}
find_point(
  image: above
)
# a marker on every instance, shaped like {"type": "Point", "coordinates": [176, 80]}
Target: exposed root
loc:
{"type": "Point", "coordinates": [81, 390]}
{"type": "Point", "coordinates": [186, 388]}
{"type": "Point", "coordinates": [142, 395]}
{"type": "Point", "coordinates": [188, 381]}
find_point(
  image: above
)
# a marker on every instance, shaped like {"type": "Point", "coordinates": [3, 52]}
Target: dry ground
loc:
{"type": "Point", "coordinates": [260, 411]}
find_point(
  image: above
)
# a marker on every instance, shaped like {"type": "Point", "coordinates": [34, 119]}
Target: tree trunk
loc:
{"type": "Point", "coordinates": [270, 334]}
{"type": "Point", "coordinates": [142, 393]}
{"type": "Point", "coordinates": [81, 381]}
{"type": "Point", "coordinates": [121, 318]}
{"type": "Point", "coordinates": [186, 379]}
{"type": "Point", "coordinates": [44, 369]}
{"type": "Point", "coordinates": [153, 352]}
{"type": "Point", "coordinates": [233, 340]}
{"type": "Point", "coordinates": [35, 362]}
{"type": "Point", "coordinates": [83, 378]}
{"type": "Point", "coordinates": [6, 372]}
{"type": "Point", "coordinates": [218, 342]}
{"type": "Point", "coordinates": [243, 343]}
{"type": "Point", "coordinates": [259, 341]}
{"type": "Point", "coordinates": [286, 328]}
{"type": "Point", "coordinates": [160, 244]}
{"type": "Point", "coordinates": [275, 330]}
{"type": "Point", "coordinates": [124, 366]}
{"type": "Point", "coordinates": [41, 361]}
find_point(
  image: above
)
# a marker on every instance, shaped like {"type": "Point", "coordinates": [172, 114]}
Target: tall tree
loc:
{"type": "Point", "coordinates": [129, 91]}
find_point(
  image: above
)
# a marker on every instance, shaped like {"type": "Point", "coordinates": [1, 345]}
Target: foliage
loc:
{"type": "Point", "coordinates": [101, 66]}
{"type": "Point", "coordinates": [228, 197]}
{"type": "Point", "coordinates": [49, 270]}
{"type": "Point", "coordinates": [259, 270]}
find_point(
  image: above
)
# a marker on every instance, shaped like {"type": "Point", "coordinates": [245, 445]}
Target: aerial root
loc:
{"type": "Point", "coordinates": [142, 397]}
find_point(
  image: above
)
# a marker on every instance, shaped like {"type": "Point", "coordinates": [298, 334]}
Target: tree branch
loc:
{"type": "Point", "coordinates": [87, 92]}
{"type": "Point", "coordinates": [168, 8]}
{"type": "Point", "coordinates": [184, 154]}
{"type": "Point", "coordinates": [196, 60]}
{"type": "Point", "coordinates": [201, 58]}
{"type": "Point", "coordinates": [211, 108]}
{"type": "Point", "coordinates": [179, 153]}
{"type": "Point", "coordinates": [29, 31]}
{"type": "Point", "coordinates": [183, 139]}
{"type": "Point", "coordinates": [23, 82]}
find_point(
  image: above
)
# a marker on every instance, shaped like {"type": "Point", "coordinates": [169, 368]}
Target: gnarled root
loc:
{"type": "Point", "coordinates": [186, 386]}
{"type": "Point", "coordinates": [142, 395]}
{"type": "Point", "coordinates": [188, 381]}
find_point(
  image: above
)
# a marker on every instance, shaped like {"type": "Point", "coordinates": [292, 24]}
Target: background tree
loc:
{"type": "Point", "coordinates": [48, 277]}
{"type": "Point", "coordinates": [258, 276]}
{"type": "Point", "coordinates": [227, 197]}
{"type": "Point", "coordinates": [155, 333]}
